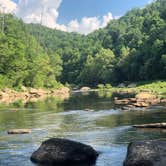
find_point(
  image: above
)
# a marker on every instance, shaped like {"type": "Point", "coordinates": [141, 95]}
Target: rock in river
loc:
{"type": "Point", "coordinates": [19, 131]}
{"type": "Point", "coordinates": [152, 125]}
{"type": "Point", "coordinates": [84, 89]}
{"type": "Point", "coordinates": [146, 153]}
{"type": "Point", "coordinates": [64, 152]}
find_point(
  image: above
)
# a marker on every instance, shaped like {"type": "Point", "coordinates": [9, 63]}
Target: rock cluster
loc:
{"type": "Point", "coordinates": [31, 94]}
{"type": "Point", "coordinates": [130, 100]}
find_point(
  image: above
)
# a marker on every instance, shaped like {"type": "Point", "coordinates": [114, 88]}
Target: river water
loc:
{"type": "Point", "coordinates": [106, 128]}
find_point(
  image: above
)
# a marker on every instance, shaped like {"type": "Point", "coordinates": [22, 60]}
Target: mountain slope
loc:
{"type": "Point", "coordinates": [137, 40]}
{"type": "Point", "coordinates": [23, 60]}
{"type": "Point", "coordinates": [132, 48]}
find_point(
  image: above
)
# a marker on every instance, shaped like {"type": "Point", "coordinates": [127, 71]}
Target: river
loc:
{"type": "Point", "coordinates": [105, 127]}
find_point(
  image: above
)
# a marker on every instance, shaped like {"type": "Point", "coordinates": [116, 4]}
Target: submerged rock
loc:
{"type": "Point", "coordinates": [19, 131]}
{"type": "Point", "coordinates": [88, 110]}
{"type": "Point", "coordinates": [148, 153]}
{"type": "Point", "coordinates": [64, 152]}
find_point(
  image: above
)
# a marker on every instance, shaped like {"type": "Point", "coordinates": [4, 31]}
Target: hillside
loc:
{"type": "Point", "coordinates": [132, 48]}
{"type": "Point", "coordinates": [23, 60]}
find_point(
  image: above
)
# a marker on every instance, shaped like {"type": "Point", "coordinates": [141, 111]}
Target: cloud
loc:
{"type": "Point", "coordinates": [46, 12]}
{"type": "Point", "coordinates": [106, 19]}
{"type": "Point", "coordinates": [89, 24]}
{"type": "Point", "coordinates": [7, 6]}
{"type": "Point", "coordinates": [35, 11]}
{"type": "Point", "coordinates": [85, 26]}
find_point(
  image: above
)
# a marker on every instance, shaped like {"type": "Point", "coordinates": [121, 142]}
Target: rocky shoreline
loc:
{"type": "Point", "coordinates": [130, 100]}
{"type": "Point", "coordinates": [31, 94]}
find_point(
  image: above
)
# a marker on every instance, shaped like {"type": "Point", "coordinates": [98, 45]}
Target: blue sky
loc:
{"type": "Point", "coordinates": [72, 9]}
{"type": "Point", "coordinates": [82, 16]}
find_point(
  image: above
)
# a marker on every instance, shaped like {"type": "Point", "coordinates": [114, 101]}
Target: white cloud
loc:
{"type": "Point", "coordinates": [7, 6]}
{"type": "Point", "coordinates": [31, 11]}
{"type": "Point", "coordinates": [85, 26]}
{"type": "Point", "coordinates": [89, 24]}
{"type": "Point", "coordinates": [106, 19]}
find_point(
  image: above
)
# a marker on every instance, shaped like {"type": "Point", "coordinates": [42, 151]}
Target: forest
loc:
{"type": "Point", "coordinates": [130, 49]}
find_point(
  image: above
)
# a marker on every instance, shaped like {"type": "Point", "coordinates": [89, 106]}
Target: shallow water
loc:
{"type": "Point", "coordinates": [105, 128]}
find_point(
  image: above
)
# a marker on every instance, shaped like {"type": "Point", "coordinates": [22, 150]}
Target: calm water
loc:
{"type": "Point", "coordinates": [106, 128]}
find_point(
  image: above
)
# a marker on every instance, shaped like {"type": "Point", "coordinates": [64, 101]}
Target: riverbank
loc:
{"type": "Point", "coordinates": [157, 88]}
{"type": "Point", "coordinates": [31, 94]}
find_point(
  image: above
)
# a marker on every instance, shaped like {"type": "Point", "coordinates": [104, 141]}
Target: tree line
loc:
{"type": "Point", "coordinates": [131, 48]}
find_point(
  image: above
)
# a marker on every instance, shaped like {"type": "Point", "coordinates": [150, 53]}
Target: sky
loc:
{"type": "Point", "coordinates": [82, 16]}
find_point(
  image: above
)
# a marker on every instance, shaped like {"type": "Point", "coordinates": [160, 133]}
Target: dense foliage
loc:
{"type": "Point", "coordinates": [23, 60]}
{"type": "Point", "coordinates": [132, 48]}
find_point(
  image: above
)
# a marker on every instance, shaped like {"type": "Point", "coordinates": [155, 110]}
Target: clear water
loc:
{"type": "Point", "coordinates": [106, 128]}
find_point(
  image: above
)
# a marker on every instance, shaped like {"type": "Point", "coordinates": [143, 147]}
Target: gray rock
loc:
{"type": "Point", "coordinates": [64, 152]}
{"type": "Point", "coordinates": [132, 85]}
{"type": "Point", "coordinates": [122, 85]}
{"type": "Point", "coordinates": [148, 153]}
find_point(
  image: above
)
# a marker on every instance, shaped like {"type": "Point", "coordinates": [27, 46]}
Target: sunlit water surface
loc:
{"type": "Point", "coordinates": [107, 128]}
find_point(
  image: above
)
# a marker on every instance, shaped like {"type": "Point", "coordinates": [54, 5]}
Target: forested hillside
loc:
{"type": "Point", "coordinates": [22, 60]}
{"type": "Point", "coordinates": [132, 48]}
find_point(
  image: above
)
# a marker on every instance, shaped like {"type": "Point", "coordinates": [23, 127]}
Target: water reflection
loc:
{"type": "Point", "coordinates": [107, 129]}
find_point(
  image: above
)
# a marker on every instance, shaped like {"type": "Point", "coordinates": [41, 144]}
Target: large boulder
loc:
{"type": "Point", "coordinates": [64, 152]}
{"type": "Point", "coordinates": [146, 153]}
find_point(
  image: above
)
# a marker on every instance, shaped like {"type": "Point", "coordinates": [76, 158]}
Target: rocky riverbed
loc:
{"type": "Point", "coordinates": [31, 94]}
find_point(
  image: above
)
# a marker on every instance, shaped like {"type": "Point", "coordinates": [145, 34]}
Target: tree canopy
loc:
{"type": "Point", "coordinates": [131, 48]}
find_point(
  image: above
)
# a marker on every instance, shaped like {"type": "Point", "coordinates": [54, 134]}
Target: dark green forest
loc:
{"type": "Point", "coordinates": [131, 48]}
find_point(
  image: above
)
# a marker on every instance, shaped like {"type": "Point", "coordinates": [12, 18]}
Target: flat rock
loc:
{"type": "Point", "coordinates": [145, 96]}
{"type": "Point", "coordinates": [85, 89]}
{"type": "Point", "coordinates": [146, 153]}
{"type": "Point", "coordinates": [152, 125]}
{"type": "Point", "coordinates": [19, 131]}
{"type": "Point", "coordinates": [88, 110]}
{"type": "Point", "coordinates": [64, 152]}
{"type": "Point", "coordinates": [141, 104]}
{"type": "Point", "coordinates": [132, 85]}
{"type": "Point", "coordinates": [122, 101]}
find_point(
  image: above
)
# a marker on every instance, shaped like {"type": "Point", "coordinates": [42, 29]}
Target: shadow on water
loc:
{"type": "Point", "coordinates": [104, 127]}
{"type": "Point", "coordinates": [67, 164]}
